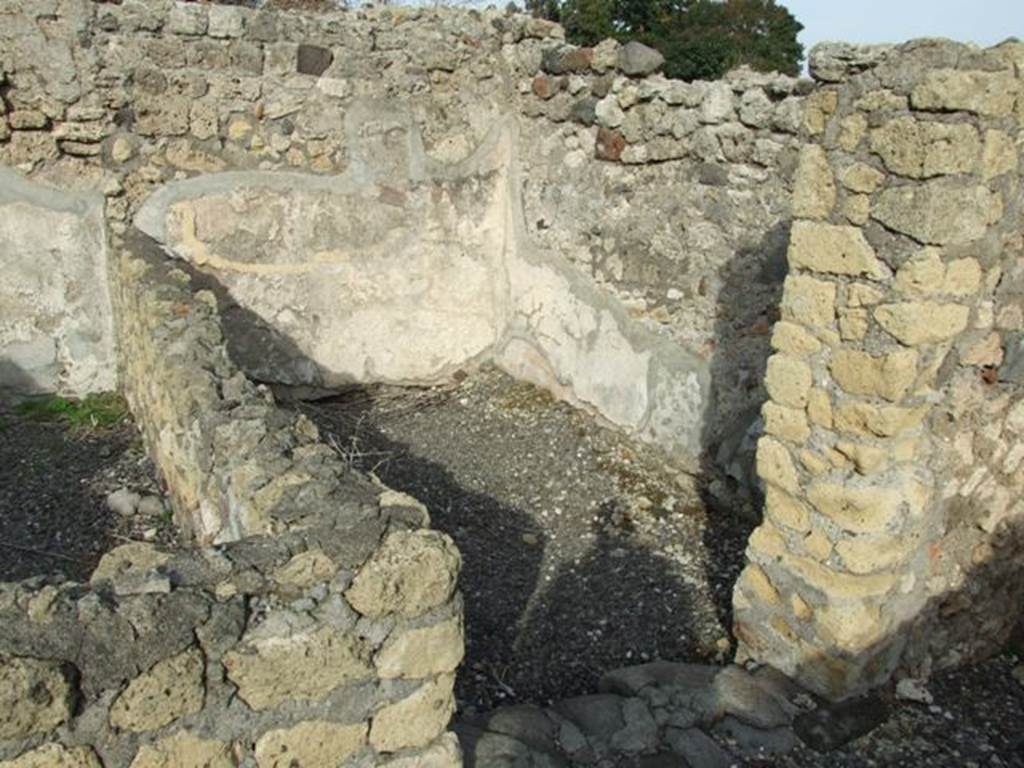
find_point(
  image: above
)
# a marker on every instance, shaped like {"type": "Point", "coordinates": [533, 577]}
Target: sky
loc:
{"type": "Point", "coordinates": [891, 21]}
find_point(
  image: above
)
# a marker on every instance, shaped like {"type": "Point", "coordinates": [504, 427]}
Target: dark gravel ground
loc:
{"type": "Point", "coordinates": [54, 481]}
{"type": "Point", "coordinates": [975, 721]}
{"type": "Point", "coordinates": [582, 551]}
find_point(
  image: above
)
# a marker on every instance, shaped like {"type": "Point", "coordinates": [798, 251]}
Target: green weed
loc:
{"type": "Point", "coordinates": [166, 519]}
{"type": "Point", "coordinates": [100, 411]}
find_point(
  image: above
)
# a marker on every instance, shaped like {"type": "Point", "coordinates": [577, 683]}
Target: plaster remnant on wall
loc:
{"type": "Point", "coordinates": [56, 326]}
{"type": "Point", "coordinates": [439, 277]}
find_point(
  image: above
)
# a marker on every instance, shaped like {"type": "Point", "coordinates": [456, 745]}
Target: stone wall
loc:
{"type": "Point", "coordinates": [675, 197]}
{"type": "Point", "coordinates": [390, 103]}
{"type": "Point", "coordinates": [892, 531]}
{"type": "Point", "coordinates": [326, 629]}
{"type": "Point", "coordinates": [411, 290]}
{"type": "Point", "coordinates": [639, 228]}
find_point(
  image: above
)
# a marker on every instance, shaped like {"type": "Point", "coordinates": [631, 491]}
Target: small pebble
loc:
{"type": "Point", "coordinates": [151, 506]}
{"type": "Point", "coordinates": [319, 592]}
{"type": "Point", "coordinates": [123, 502]}
{"type": "Point", "coordinates": [1018, 673]}
{"type": "Point", "coordinates": [909, 689]}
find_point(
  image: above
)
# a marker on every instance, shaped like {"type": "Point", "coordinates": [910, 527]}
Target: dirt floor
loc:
{"type": "Point", "coordinates": [582, 551]}
{"type": "Point", "coordinates": [54, 482]}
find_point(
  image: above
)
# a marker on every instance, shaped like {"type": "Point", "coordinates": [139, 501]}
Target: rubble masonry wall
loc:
{"type": "Point", "coordinates": [893, 433]}
{"type": "Point", "coordinates": [893, 428]}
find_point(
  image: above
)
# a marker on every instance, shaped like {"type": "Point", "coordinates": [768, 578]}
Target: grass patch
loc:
{"type": "Point", "coordinates": [101, 411]}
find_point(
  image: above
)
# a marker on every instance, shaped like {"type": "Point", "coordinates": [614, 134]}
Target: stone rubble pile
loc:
{"type": "Point", "coordinates": [662, 713]}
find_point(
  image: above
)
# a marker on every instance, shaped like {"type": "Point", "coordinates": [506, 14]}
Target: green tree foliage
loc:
{"type": "Point", "coordinates": [764, 35]}
{"type": "Point", "coordinates": [589, 21]}
{"type": "Point", "coordinates": [700, 39]}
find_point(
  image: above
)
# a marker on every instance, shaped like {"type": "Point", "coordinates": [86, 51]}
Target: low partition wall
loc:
{"type": "Point", "coordinates": [895, 427]}
{"type": "Point", "coordinates": [326, 627]}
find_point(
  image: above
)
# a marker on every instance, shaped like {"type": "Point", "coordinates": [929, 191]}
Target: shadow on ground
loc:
{"type": "Point", "coordinates": [567, 572]}
{"type": "Point", "coordinates": [746, 309]}
{"type": "Point", "coordinates": [557, 587]}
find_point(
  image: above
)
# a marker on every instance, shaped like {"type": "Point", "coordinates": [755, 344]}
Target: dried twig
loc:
{"type": "Point", "coordinates": [30, 551]}
{"type": "Point", "coordinates": [129, 539]}
{"type": "Point", "coordinates": [388, 399]}
{"type": "Point", "coordinates": [497, 677]}
{"type": "Point", "coordinates": [352, 455]}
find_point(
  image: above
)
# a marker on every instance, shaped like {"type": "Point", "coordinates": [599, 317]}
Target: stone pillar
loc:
{"type": "Point", "coordinates": [904, 206]}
